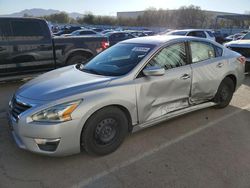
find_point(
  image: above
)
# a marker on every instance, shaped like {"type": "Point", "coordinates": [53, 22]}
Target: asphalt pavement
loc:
{"type": "Point", "coordinates": [208, 149]}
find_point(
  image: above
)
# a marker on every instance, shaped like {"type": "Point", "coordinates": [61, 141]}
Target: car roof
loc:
{"type": "Point", "coordinates": [189, 30]}
{"type": "Point", "coordinates": [133, 31]}
{"type": "Point", "coordinates": [161, 39]}
{"type": "Point", "coordinates": [85, 30]}
{"type": "Point", "coordinates": [21, 18]}
{"type": "Point", "coordinates": [113, 32]}
{"type": "Point", "coordinates": [119, 32]}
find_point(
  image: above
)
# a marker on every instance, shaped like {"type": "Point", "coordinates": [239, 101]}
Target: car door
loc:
{"type": "Point", "coordinates": [207, 69]}
{"type": "Point", "coordinates": [31, 47]}
{"type": "Point", "coordinates": [160, 95]}
{"type": "Point", "coordinates": [4, 46]}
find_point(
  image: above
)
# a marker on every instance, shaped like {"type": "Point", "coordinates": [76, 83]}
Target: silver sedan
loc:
{"type": "Point", "coordinates": [132, 85]}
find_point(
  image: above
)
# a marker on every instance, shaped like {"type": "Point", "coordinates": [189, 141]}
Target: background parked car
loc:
{"type": "Point", "coordinates": [242, 46]}
{"type": "Point", "coordinates": [82, 32]}
{"type": "Point", "coordinates": [236, 36]}
{"type": "Point", "coordinates": [106, 31]}
{"type": "Point", "coordinates": [27, 47]}
{"type": "Point", "coordinates": [67, 30]}
{"type": "Point", "coordinates": [98, 30]}
{"type": "Point", "coordinates": [149, 33]}
{"type": "Point", "coordinates": [136, 33]}
{"type": "Point", "coordinates": [220, 37]}
{"type": "Point", "coordinates": [194, 33]}
{"type": "Point", "coordinates": [117, 36]}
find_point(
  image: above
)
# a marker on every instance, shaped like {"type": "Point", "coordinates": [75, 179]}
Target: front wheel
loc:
{"type": "Point", "coordinates": [224, 93]}
{"type": "Point", "coordinates": [104, 131]}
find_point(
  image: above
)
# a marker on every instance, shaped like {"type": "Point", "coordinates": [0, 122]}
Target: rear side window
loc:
{"type": "Point", "coordinates": [1, 31]}
{"type": "Point", "coordinates": [200, 34]}
{"type": "Point", "coordinates": [4, 29]}
{"type": "Point", "coordinates": [128, 36]}
{"type": "Point", "coordinates": [27, 30]}
{"type": "Point", "coordinates": [218, 51]}
{"type": "Point", "coordinates": [210, 33]}
{"type": "Point", "coordinates": [121, 36]}
{"type": "Point", "coordinates": [201, 51]}
{"type": "Point", "coordinates": [170, 57]}
{"type": "Point", "coordinates": [114, 36]}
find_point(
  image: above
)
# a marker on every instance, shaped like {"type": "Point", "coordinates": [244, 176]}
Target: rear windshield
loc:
{"type": "Point", "coordinates": [118, 60]}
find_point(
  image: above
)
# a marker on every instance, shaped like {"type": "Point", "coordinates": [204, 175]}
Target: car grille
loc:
{"type": "Point", "coordinates": [17, 107]}
{"type": "Point", "coordinates": [243, 51]}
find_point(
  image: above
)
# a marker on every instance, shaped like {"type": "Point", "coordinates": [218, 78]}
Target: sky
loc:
{"type": "Point", "coordinates": [110, 7]}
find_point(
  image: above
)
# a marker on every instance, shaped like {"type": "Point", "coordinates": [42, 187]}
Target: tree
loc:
{"type": "Point", "coordinates": [61, 17]}
{"type": "Point", "coordinates": [89, 18]}
{"type": "Point", "coordinates": [190, 17]}
{"type": "Point", "coordinates": [27, 15]}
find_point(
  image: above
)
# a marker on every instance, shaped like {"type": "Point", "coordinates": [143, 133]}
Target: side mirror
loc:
{"type": "Point", "coordinates": [154, 71]}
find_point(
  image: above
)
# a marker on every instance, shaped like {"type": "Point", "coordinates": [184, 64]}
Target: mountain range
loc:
{"type": "Point", "coordinates": [40, 12]}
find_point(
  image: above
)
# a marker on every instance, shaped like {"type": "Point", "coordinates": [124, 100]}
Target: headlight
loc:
{"type": "Point", "coordinates": [58, 113]}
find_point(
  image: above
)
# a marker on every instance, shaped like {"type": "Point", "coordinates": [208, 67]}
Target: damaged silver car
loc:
{"type": "Point", "coordinates": [132, 85]}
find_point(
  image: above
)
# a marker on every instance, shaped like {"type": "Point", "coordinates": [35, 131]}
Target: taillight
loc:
{"type": "Point", "coordinates": [104, 44]}
{"type": "Point", "coordinates": [242, 59]}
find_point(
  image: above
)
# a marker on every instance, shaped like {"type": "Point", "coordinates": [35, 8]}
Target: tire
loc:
{"type": "Point", "coordinates": [247, 67]}
{"type": "Point", "coordinates": [225, 93]}
{"type": "Point", "coordinates": [104, 131]}
{"type": "Point", "coordinates": [76, 59]}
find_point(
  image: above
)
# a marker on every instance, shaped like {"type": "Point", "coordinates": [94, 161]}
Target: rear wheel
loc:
{"type": "Point", "coordinates": [76, 59]}
{"type": "Point", "coordinates": [224, 93]}
{"type": "Point", "coordinates": [105, 131]}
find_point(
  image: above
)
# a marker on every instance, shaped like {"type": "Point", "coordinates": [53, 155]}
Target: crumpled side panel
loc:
{"type": "Point", "coordinates": [207, 77]}
{"type": "Point", "coordinates": [157, 96]}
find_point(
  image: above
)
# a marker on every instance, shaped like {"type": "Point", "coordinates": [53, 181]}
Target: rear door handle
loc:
{"type": "Point", "coordinates": [219, 65]}
{"type": "Point", "coordinates": [185, 76]}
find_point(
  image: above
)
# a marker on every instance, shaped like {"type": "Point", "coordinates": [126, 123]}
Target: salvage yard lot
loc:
{"type": "Point", "coordinates": [207, 148]}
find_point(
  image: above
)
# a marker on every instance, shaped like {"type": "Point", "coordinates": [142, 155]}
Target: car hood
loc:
{"type": "Point", "coordinates": [61, 83]}
{"type": "Point", "coordinates": [239, 43]}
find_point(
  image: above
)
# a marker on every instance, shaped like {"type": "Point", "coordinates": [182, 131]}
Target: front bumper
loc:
{"type": "Point", "coordinates": [62, 138]}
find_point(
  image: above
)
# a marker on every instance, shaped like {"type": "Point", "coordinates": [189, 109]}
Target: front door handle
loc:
{"type": "Point", "coordinates": [219, 65]}
{"type": "Point", "coordinates": [185, 76]}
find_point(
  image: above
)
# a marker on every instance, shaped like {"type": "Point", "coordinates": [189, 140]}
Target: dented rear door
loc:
{"type": "Point", "coordinates": [208, 69]}
{"type": "Point", "coordinates": [159, 95]}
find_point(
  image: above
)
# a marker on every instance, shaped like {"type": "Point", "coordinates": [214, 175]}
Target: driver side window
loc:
{"type": "Point", "coordinates": [170, 57]}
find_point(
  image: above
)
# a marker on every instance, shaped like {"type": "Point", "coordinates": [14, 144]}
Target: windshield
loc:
{"type": "Point", "coordinates": [246, 37]}
{"type": "Point", "coordinates": [118, 60]}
